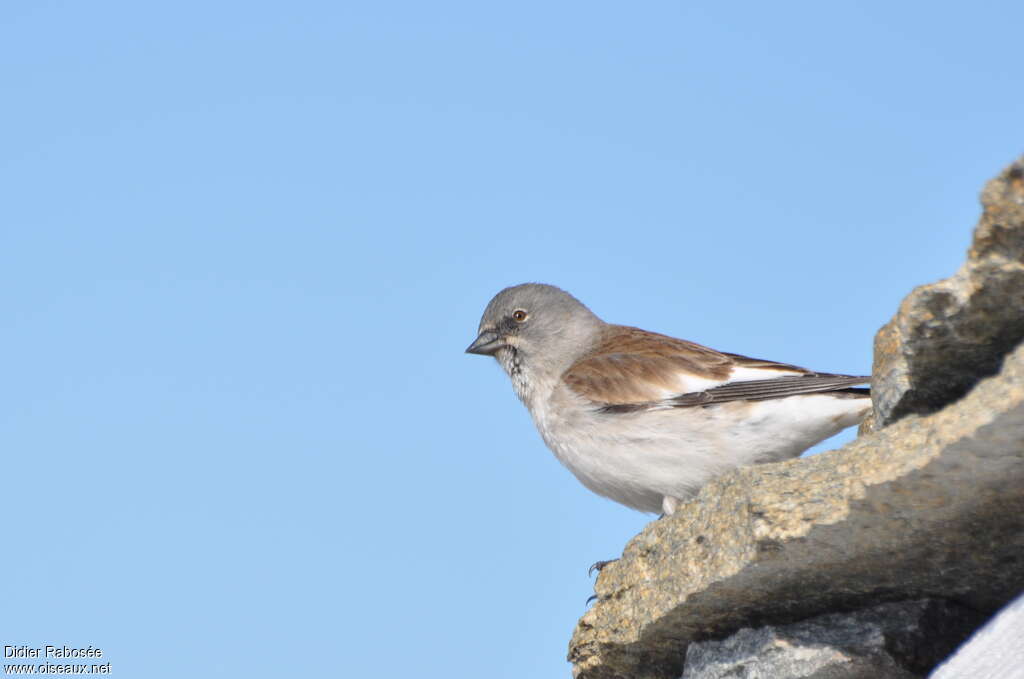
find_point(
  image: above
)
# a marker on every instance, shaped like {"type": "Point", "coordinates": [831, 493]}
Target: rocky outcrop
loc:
{"type": "Point", "coordinates": [890, 641]}
{"type": "Point", "coordinates": [949, 334]}
{"type": "Point", "coordinates": [928, 511]}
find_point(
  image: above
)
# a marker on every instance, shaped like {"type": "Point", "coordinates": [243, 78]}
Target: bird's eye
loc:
{"type": "Point", "coordinates": [519, 315]}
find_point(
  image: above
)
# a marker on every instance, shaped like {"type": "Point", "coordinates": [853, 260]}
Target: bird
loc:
{"type": "Point", "coordinates": [646, 419]}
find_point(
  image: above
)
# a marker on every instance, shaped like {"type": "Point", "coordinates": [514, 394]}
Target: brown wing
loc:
{"type": "Point", "coordinates": [632, 369]}
{"type": "Point", "coordinates": [630, 365]}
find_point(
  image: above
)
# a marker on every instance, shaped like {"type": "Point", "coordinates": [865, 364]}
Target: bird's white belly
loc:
{"type": "Point", "coordinates": [638, 459]}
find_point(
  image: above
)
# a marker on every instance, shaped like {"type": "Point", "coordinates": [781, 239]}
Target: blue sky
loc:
{"type": "Point", "coordinates": [245, 244]}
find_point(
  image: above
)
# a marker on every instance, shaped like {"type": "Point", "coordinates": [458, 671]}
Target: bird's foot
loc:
{"type": "Point", "coordinates": [599, 566]}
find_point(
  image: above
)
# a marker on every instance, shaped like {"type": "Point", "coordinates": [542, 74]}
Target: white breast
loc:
{"type": "Point", "coordinates": [640, 458]}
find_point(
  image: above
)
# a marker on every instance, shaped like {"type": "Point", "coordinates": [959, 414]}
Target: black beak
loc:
{"type": "Point", "coordinates": [486, 344]}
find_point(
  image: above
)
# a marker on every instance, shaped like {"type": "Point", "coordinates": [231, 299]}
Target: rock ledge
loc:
{"type": "Point", "coordinates": [930, 507]}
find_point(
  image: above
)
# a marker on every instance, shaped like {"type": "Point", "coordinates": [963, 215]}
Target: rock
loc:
{"type": "Point", "coordinates": [950, 334]}
{"type": "Point", "coordinates": [930, 506]}
{"type": "Point", "coordinates": [995, 652]}
{"type": "Point", "coordinates": [890, 641]}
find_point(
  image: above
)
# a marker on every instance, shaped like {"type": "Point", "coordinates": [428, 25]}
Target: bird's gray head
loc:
{"type": "Point", "coordinates": [537, 328]}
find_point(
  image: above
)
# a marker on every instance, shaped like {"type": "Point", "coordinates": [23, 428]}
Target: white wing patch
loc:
{"type": "Point", "coordinates": [688, 384]}
{"type": "Point", "coordinates": [744, 374]}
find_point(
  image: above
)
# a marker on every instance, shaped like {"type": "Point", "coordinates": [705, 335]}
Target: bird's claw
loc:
{"type": "Point", "coordinates": [599, 566]}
